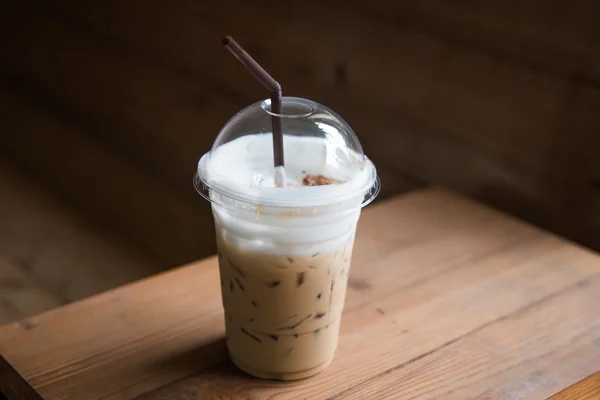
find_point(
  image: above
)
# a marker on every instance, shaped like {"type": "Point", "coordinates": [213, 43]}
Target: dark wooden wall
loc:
{"type": "Point", "coordinates": [112, 102]}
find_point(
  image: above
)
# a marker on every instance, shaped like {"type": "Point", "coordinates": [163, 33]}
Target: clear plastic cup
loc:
{"type": "Point", "coordinates": [284, 253]}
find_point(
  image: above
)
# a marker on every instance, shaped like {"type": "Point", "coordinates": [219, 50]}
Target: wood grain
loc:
{"type": "Point", "coordinates": [447, 298]}
{"type": "Point", "coordinates": [587, 389]}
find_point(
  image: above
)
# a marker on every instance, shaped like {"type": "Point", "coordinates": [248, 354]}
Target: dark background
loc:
{"type": "Point", "coordinates": [106, 106]}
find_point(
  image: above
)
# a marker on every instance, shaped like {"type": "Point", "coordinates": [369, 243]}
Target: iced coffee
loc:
{"type": "Point", "coordinates": [283, 311]}
{"type": "Point", "coordinates": [285, 252]}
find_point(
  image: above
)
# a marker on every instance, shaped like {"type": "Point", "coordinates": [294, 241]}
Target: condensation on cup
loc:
{"type": "Point", "coordinates": [285, 252]}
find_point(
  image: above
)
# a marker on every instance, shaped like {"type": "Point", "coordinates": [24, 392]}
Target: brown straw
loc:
{"type": "Point", "coordinates": [274, 88]}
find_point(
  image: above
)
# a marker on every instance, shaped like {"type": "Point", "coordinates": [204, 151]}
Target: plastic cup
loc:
{"type": "Point", "coordinates": [284, 253]}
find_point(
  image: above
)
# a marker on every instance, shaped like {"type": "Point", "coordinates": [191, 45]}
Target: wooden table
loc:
{"type": "Point", "coordinates": [447, 299]}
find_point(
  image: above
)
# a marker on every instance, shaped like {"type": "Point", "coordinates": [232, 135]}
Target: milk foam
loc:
{"type": "Point", "coordinates": [295, 219]}
{"type": "Point", "coordinates": [245, 166]}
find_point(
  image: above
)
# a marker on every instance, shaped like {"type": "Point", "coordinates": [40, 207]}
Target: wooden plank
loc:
{"type": "Point", "coordinates": [57, 249]}
{"type": "Point", "coordinates": [587, 389]}
{"type": "Point", "coordinates": [435, 277]}
{"type": "Point", "coordinates": [466, 367]}
{"type": "Point", "coordinates": [19, 296]}
{"type": "Point", "coordinates": [492, 127]}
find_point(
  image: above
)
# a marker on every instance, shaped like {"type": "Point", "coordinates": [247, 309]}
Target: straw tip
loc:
{"type": "Point", "coordinates": [227, 40]}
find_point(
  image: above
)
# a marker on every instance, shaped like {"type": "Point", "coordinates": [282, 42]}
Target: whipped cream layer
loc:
{"type": "Point", "coordinates": [252, 214]}
{"type": "Point", "coordinates": [243, 168]}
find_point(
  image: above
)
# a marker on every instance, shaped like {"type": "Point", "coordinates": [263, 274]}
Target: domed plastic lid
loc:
{"type": "Point", "coordinates": [324, 161]}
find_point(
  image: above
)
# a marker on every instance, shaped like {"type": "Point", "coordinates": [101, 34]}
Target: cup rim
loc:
{"type": "Point", "coordinates": [219, 195]}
